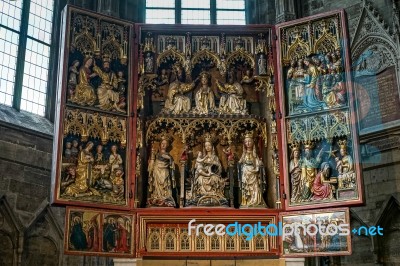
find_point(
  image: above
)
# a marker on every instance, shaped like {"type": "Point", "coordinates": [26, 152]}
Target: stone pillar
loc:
{"type": "Point", "coordinates": [263, 13]}
{"type": "Point", "coordinates": [88, 4]}
{"type": "Point", "coordinates": [126, 262]}
{"type": "Point", "coordinates": [108, 7]}
{"type": "Point", "coordinates": [181, 194]}
{"type": "Point", "coordinates": [285, 10]}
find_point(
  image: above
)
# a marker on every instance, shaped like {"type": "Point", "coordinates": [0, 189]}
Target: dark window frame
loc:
{"type": "Point", "coordinates": [213, 11]}
{"type": "Point", "coordinates": [23, 37]}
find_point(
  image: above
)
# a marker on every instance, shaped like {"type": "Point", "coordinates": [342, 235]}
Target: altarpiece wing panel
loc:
{"type": "Point", "coordinates": [321, 162]}
{"type": "Point", "coordinates": [93, 123]}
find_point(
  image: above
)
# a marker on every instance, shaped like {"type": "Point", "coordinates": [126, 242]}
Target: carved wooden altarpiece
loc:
{"type": "Point", "coordinates": [163, 124]}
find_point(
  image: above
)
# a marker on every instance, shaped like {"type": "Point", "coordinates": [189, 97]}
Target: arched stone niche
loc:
{"type": "Point", "coordinates": [373, 55]}
{"type": "Point", "coordinates": [10, 235]}
{"type": "Point", "coordinates": [6, 249]}
{"type": "Point", "coordinates": [40, 250]}
{"type": "Point", "coordinates": [43, 242]}
{"type": "Point", "coordinates": [388, 244]}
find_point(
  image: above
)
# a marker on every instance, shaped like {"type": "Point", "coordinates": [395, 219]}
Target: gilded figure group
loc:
{"type": "Point", "coordinates": [92, 175]}
{"type": "Point", "coordinates": [311, 178]}
{"type": "Point", "coordinates": [316, 83]}
{"type": "Point", "coordinates": [208, 183]}
{"type": "Point", "coordinates": [231, 101]}
{"type": "Point", "coordinates": [96, 86]}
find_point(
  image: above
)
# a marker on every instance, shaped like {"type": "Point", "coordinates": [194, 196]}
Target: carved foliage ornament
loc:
{"type": "Point", "coordinates": [305, 39]}
{"type": "Point", "coordinates": [95, 125]}
{"type": "Point", "coordinates": [185, 128]}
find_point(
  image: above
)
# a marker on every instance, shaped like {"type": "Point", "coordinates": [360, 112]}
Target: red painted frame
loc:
{"type": "Point", "coordinates": [133, 233]}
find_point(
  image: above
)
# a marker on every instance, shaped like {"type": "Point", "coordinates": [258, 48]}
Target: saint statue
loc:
{"type": "Point", "coordinates": [121, 81]}
{"type": "Point", "coordinates": [115, 159]}
{"type": "Point", "coordinates": [297, 82]}
{"type": "Point", "coordinates": [149, 63]}
{"type": "Point", "coordinates": [83, 173]}
{"type": "Point", "coordinates": [73, 73]}
{"type": "Point", "coordinates": [262, 65]}
{"type": "Point", "coordinates": [118, 185]}
{"type": "Point", "coordinates": [295, 173]}
{"type": "Point", "coordinates": [161, 176]}
{"type": "Point", "coordinates": [99, 156]}
{"type": "Point", "coordinates": [75, 149]}
{"type": "Point", "coordinates": [320, 189]}
{"type": "Point", "coordinates": [329, 96]}
{"type": "Point", "coordinates": [345, 167]}
{"type": "Point", "coordinates": [177, 102]}
{"type": "Point", "coordinates": [208, 185]}
{"type": "Point", "coordinates": [73, 77]}
{"type": "Point", "coordinates": [67, 151]}
{"type": "Point", "coordinates": [252, 181]}
{"type": "Point", "coordinates": [233, 101]}
{"type": "Point", "coordinates": [84, 91]}
{"type": "Point", "coordinates": [309, 168]}
{"type": "Point", "coordinates": [247, 78]}
{"type": "Point", "coordinates": [204, 96]}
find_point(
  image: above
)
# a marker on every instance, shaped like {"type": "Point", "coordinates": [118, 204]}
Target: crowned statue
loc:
{"type": "Point", "coordinates": [208, 185]}
{"type": "Point", "coordinates": [295, 173]}
{"type": "Point", "coordinates": [252, 180]}
{"type": "Point", "coordinates": [161, 176]}
{"type": "Point", "coordinates": [233, 100]}
{"type": "Point", "coordinates": [107, 92]}
{"type": "Point", "coordinates": [177, 102]}
{"type": "Point", "coordinates": [345, 167]}
{"type": "Point", "coordinates": [205, 102]}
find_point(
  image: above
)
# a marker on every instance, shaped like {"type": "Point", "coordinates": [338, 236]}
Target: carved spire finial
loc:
{"type": "Point", "coordinates": [396, 22]}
